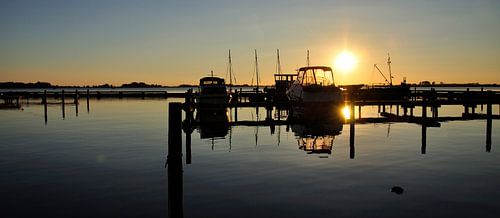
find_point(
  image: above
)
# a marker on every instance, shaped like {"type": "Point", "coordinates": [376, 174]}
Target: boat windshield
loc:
{"type": "Point", "coordinates": [212, 82]}
{"type": "Point", "coordinates": [316, 76]}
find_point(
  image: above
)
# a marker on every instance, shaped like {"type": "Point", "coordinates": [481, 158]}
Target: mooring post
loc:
{"type": "Point", "coordinates": [353, 116]}
{"type": "Point", "coordinates": [351, 133]}
{"type": "Point", "coordinates": [174, 160]}
{"type": "Point", "coordinates": [76, 96]}
{"type": "Point", "coordinates": [44, 98]}
{"type": "Point", "coordinates": [63, 104]}
{"type": "Point", "coordinates": [44, 101]}
{"type": "Point", "coordinates": [482, 94]}
{"type": "Point", "coordinates": [88, 101]}
{"type": "Point", "coordinates": [424, 109]}
{"type": "Point", "coordinates": [489, 113]}
{"type": "Point", "coordinates": [424, 139]}
{"type": "Point", "coordinates": [236, 112]}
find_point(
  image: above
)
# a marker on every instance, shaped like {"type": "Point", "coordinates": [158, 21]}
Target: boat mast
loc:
{"type": "Point", "coordinates": [389, 64]}
{"type": "Point", "coordinates": [230, 71]}
{"type": "Point", "coordinates": [257, 70]}
{"type": "Point", "coordinates": [278, 66]}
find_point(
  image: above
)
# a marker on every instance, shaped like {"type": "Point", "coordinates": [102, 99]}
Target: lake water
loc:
{"type": "Point", "coordinates": [110, 161]}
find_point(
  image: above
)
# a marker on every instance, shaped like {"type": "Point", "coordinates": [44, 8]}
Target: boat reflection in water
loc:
{"type": "Point", "coordinates": [316, 135]}
{"type": "Point", "coordinates": [213, 123]}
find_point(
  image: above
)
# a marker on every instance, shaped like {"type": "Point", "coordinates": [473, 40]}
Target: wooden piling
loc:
{"type": "Point", "coordinates": [174, 160]}
{"type": "Point", "coordinates": [423, 149]}
{"type": "Point", "coordinates": [76, 96]}
{"type": "Point", "coordinates": [44, 98]}
{"type": "Point", "coordinates": [489, 113]}
{"type": "Point", "coordinates": [351, 133]}
{"type": "Point", "coordinates": [45, 105]}
{"type": "Point", "coordinates": [63, 104]}
{"type": "Point", "coordinates": [88, 101]}
{"type": "Point", "coordinates": [424, 110]}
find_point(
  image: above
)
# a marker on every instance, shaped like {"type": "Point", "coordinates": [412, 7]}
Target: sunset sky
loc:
{"type": "Point", "coordinates": [84, 42]}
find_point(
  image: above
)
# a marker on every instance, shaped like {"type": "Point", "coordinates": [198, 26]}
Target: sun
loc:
{"type": "Point", "coordinates": [345, 62]}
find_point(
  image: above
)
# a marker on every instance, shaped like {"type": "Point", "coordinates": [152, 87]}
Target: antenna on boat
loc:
{"type": "Point", "coordinates": [389, 64]}
{"type": "Point", "coordinates": [278, 65]}
{"type": "Point", "coordinates": [307, 61]}
{"type": "Point", "coordinates": [212, 73]}
{"type": "Point", "coordinates": [257, 70]}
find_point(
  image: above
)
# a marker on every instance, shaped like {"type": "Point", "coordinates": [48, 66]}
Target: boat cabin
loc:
{"type": "Point", "coordinates": [212, 85]}
{"type": "Point", "coordinates": [283, 81]}
{"type": "Point", "coordinates": [316, 76]}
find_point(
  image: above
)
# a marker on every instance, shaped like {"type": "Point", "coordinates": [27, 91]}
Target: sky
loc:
{"type": "Point", "coordinates": [68, 42]}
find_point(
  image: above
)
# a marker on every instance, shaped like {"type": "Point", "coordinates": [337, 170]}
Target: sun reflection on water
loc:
{"type": "Point", "coordinates": [346, 112]}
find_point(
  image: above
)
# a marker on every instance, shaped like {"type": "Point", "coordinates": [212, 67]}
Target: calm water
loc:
{"type": "Point", "coordinates": [110, 161]}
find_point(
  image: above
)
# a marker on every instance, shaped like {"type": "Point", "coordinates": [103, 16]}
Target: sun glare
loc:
{"type": "Point", "coordinates": [346, 112]}
{"type": "Point", "coordinates": [345, 62]}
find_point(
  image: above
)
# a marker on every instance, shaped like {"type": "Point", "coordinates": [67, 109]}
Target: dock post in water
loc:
{"type": "Point", "coordinates": [236, 112]}
{"type": "Point", "coordinates": [424, 109]}
{"type": "Point", "coordinates": [88, 101]}
{"type": "Point", "coordinates": [44, 101]}
{"type": "Point", "coordinates": [489, 113]}
{"type": "Point", "coordinates": [424, 139]}
{"type": "Point", "coordinates": [174, 160]}
{"type": "Point", "coordinates": [44, 98]}
{"type": "Point", "coordinates": [76, 96]}
{"type": "Point", "coordinates": [63, 104]}
{"type": "Point", "coordinates": [351, 133]}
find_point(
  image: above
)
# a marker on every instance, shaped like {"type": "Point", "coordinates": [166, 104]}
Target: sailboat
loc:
{"type": "Point", "coordinates": [258, 96]}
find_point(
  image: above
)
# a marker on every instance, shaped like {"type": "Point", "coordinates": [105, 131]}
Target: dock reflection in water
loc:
{"type": "Point", "coordinates": [111, 160]}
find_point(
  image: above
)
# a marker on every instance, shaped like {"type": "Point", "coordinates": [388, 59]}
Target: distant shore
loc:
{"type": "Point", "coordinates": [47, 85]}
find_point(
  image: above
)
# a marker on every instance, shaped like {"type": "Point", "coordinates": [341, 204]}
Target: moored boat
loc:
{"type": "Point", "coordinates": [212, 91]}
{"type": "Point", "coordinates": [314, 93]}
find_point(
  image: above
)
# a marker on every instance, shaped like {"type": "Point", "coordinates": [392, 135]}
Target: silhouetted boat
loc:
{"type": "Point", "coordinates": [315, 85]}
{"type": "Point", "coordinates": [212, 91]}
{"type": "Point", "coordinates": [314, 93]}
{"type": "Point", "coordinates": [384, 92]}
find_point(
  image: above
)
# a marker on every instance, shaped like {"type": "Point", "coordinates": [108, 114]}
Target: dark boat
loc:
{"type": "Point", "coordinates": [212, 92]}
